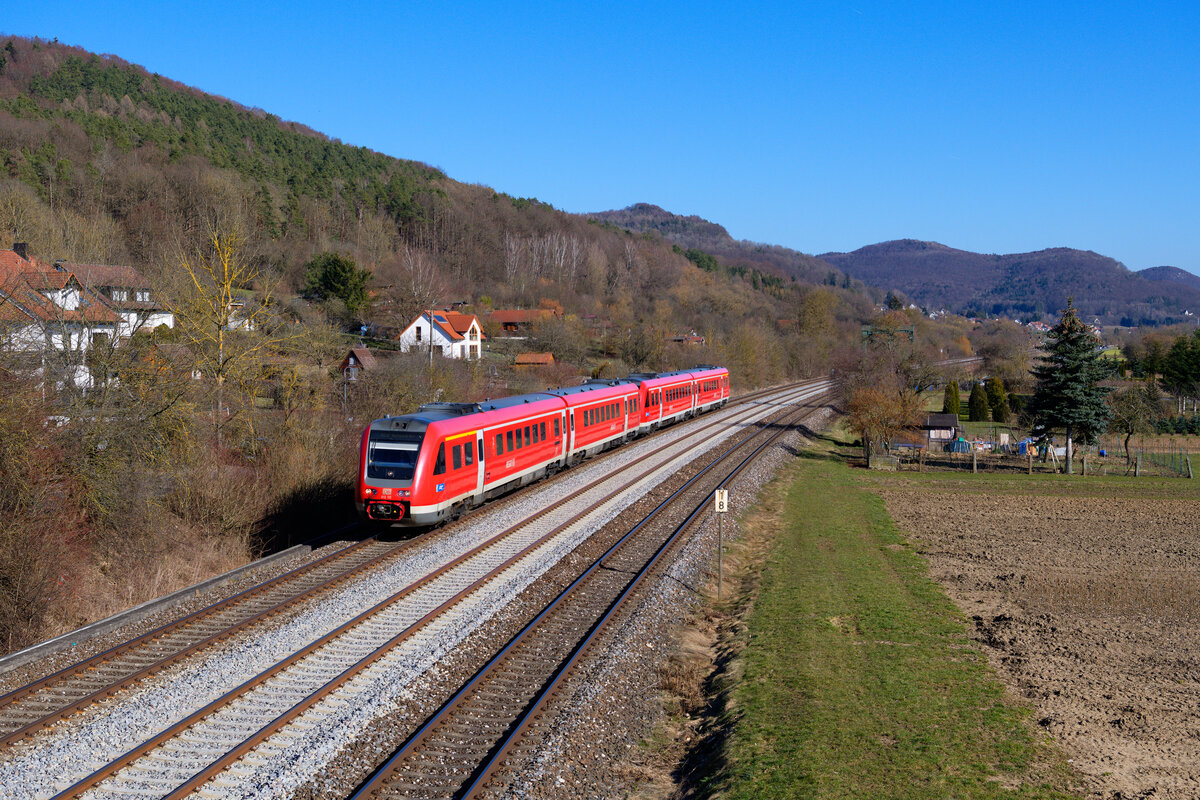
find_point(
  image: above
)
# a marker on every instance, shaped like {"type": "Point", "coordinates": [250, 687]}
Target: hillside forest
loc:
{"type": "Point", "coordinates": [201, 447]}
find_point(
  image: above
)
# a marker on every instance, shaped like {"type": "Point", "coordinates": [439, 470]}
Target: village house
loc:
{"type": "Point", "coordinates": [446, 333]}
{"type": "Point", "coordinates": [62, 311]}
{"type": "Point", "coordinates": [514, 322]}
{"type": "Point", "coordinates": [126, 292]}
{"type": "Point", "coordinates": [687, 338]}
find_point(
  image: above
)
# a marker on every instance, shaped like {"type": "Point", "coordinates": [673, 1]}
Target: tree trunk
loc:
{"type": "Point", "coordinates": [1068, 467]}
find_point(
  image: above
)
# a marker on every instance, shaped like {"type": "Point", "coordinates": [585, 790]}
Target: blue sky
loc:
{"type": "Point", "coordinates": [822, 126]}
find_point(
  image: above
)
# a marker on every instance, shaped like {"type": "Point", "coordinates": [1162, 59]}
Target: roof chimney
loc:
{"type": "Point", "coordinates": [21, 249]}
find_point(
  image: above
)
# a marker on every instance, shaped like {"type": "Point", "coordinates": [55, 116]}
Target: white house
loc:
{"type": "Point", "coordinates": [445, 333]}
{"type": "Point", "coordinates": [52, 315]}
{"type": "Point", "coordinates": [126, 292]}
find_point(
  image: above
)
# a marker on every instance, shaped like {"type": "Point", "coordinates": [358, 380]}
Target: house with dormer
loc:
{"type": "Point", "coordinates": [445, 333]}
{"type": "Point", "coordinates": [126, 292]}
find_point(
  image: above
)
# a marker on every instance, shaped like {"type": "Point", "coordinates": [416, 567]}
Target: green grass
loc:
{"type": "Point", "coordinates": [859, 678]}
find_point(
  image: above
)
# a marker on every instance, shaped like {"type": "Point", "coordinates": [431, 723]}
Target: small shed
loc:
{"type": "Point", "coordinates": [534, 360]}
{"type": "Point", "coordinates": [940, 428]}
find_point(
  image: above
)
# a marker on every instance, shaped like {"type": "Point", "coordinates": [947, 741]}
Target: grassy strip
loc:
{"type": "Point", "coordinates": [859, 678]}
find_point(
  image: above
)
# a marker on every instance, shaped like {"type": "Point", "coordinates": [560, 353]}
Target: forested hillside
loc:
{"type": "Point", "coordinates": [200, 446]}
{"type": "Point", "coordinates": [1021, 285]}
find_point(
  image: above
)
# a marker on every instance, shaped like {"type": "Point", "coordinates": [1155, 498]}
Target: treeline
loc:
{"type": "Point", "coordinates": [1174, 363]}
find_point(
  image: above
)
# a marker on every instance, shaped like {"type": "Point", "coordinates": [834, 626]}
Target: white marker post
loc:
{"type": "Point", "coordinates": [722, 502]}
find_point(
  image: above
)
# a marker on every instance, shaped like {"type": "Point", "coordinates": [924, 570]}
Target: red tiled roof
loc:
{"type": "Point", "coordinates": [23, 281]}
{"type": "Point", "coordinates": [103, 275]}
{"type": "Point", "coordinates": [456, 325]}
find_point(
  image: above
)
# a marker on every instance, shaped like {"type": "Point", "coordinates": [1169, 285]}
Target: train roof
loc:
{"type": "Point", "coordinates": [590, 386]}
{"type": "Point", "coordinates": [514, 400]}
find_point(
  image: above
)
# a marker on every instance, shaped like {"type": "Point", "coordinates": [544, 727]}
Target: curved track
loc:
{"type": "Point", "coordinates": [201, 744]}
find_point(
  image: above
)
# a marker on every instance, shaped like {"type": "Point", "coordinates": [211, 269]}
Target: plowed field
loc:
{"type": "Point", "coordinates": [1088, 607]}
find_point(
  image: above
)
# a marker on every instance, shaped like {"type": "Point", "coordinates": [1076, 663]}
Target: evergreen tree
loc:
{"type": "Point", "coordinates": [977, 404]}
{"type": "Point", "coordinates": [1068, 396]}
{"type": "Point", "coordinates": [332, 275]}
{"type": "Point", "coordinates": [997, 399]}
{"type": "Point", "coordinates": [1181, 370]}
{"type": "Point", "coordinates": [951, 402]}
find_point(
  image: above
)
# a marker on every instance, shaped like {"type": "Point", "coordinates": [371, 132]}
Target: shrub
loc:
{"type": "Point", "coordinates": [977, 404]}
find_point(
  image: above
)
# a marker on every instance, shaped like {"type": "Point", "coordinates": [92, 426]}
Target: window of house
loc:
{"type": "Point", "coordinates": [143, 296]}
{"type": "Point", "coordinates": [418, 333]}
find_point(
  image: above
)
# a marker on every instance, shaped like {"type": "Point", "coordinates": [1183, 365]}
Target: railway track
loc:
{"type": "Point", "coordinates": [416, 615]}
{"type": "Point", "coordinates": [43, 702]}
{"type": "Point", "coordinates": [473, 739]}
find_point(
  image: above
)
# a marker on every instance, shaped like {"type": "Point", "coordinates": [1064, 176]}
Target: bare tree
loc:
{"type": "Point", "coordinates": [227, 326]}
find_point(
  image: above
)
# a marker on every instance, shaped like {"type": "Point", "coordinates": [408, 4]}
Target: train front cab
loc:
{"type": "Point", "coordinates": [391, 448]}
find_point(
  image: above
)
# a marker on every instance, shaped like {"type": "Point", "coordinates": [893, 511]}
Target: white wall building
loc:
{"type": "Point", "coordinates": [445, 333]}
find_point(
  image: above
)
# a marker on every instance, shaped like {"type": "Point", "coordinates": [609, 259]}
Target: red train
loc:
{"type": "Point", "coordinates": [423, 468]}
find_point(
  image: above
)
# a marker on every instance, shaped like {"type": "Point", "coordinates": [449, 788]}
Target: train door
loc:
{"type": "Point", "coordinates": [479, 466]}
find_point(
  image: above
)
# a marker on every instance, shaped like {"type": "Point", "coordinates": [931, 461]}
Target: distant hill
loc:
{"type": "Point", "coordinates": [696, 232]}
{"type": "Point", "coordinates": [1171, 274]}
{"type": "Point", "coordinates": [1022, 284]}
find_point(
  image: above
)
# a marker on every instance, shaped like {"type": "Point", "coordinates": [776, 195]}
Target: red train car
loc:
{"type": "Point", "coordinates": [423, 468]}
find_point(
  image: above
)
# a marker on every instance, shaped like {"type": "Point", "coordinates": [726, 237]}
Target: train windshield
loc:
{"type": "Point", "coordinates": [392, 455]}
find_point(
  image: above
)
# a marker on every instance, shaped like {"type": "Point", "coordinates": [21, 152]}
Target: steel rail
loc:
{"type": "Point", "coordinates": [423, 734]}
{"type": "Point", "coordinates": [551, 689]}
{"type": "Point", "coordinates": [247, 686]}
{"type": "Point", "coordinates": [62, 707]}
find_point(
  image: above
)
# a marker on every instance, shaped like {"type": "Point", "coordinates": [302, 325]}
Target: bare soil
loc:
{"type": "Point", "coordinates": [1089, 609]}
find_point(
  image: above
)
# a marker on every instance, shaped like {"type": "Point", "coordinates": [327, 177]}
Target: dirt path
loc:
{"type": "Point", "coordinates": [1090, 609]}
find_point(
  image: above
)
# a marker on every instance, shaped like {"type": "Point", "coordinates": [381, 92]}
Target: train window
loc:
{"type": "Point", "coordinates": [469, 453]}
{"type": "Point", "coordinates": [536, 438]}
{"type": "Point", "coordinates": [440, 466]}
{"type": "Point", "coordinates": [456, 456]}
{"type": "Point", "coordinates": [508, 441]}
{"type": "Point", "coordinates": [392, 455]}
{"type": "Point", "coordinates": [543, 427]}
{"type": "Point", "coordinates": [527, 439]}
{"type": "Point", "coordinates": [556, 432]}
{"type": "Point", "coordinates": [499, 444]}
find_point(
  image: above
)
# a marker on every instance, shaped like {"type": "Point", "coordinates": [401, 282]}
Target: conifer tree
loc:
{"type": "Point", "coordinates": [951, 403]}
{"type": "Point", "coordinates": [977, 404]}
{"type": "Point", "coordinates": [1068, 395]}
{"type": "Point", "coordinates": [997, 399]}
